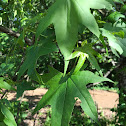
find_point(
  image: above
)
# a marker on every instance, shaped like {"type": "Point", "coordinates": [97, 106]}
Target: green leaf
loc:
{"type": "Point", "coordinates": [115, 16]}
{"type": "Point", "coordinates": [113, 42]}
{"type": "Point", "coordinates": [9, 118]}
{"type": "Point", "coordinates": [33, 20]}
{"type": "Point", "coordinates": [66, 15]}
{"type": "Point", "coordinates": [20, 39]}
{"type": "Point", "coordinates": [33, 54]}
{"type": "Point", "coordinates": [23, 87]}
{"type": "Point", "coordinates": [122, 43]}
{"type": "Point", "coordinates": [87, 48]}
{"type": "Point", "coordinates": [62, 92]}
{"type": "Point", "coordinates": [1, 116]}
{"type": "Point", "coordinates": [121, 25]}
{"type": "Point", "coordinates": [80, 63]}
{"type": "Point", "coordinates": [2, 124]}
{"type": "Point", "coordinates": [74, 55]}
{"type": "Point", "coordinates": [5, 85]}
{"type": "Point", "coordinates": [5, 1]}
{"type": "Point", "coordinates": [0, 20]}
{"type": "Point", "coordinates": [119, 28]}
{"type": "Point", "coordinates": [82, 57]}
{"type": "Point", "coordinates": [123, 8]}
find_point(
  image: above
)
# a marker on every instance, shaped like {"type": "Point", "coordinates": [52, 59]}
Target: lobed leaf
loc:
{"type": "Point", "coordinates": [33, 54]}
{"type": "Point", "coordinates": [73, 12]}
{"type": "Point", "coordinates": [62, 92]}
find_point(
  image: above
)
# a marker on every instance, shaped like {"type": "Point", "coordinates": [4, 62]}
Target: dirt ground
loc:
{"type": "Point", "coordinates": [104, 100]}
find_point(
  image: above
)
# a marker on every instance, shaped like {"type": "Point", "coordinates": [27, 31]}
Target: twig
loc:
{"type": "Point", "coordinates": [15, 34]}
{"type": "Point", "coordinates": [4, 94]}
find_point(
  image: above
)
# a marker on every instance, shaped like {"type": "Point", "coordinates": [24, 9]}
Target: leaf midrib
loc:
{"type": "Point", "coordinates": [64, 101]}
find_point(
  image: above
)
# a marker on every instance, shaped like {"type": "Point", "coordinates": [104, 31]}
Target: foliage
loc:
{"type": "Point", "coordinates": [62, 91]}
{"type": "Point", "coordinates": [6, 116]}
{"type": "Point", "coordinates": [72, 15]}
{"type": "Point", "coordinates": [63, 34]}
{"type": "Point", "coordinates": [79, 118]}
{"type": "Point", "coordinates": [121, 113]}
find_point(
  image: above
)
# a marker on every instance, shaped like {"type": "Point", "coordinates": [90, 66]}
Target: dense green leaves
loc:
{"type": "Point", "coordinates": [62, 92]}
{"type": "Point", "coordinates": [113, 17]}
{"type": "Point", "coordinates": [119, 1]}
{"type": "Point", "coordinates": [73, 13]}
{"type": "Point", "coordinates": [116, 28]}
{"type": "Point", "coordinates": [5, 85]}
{"type": "Point", "coordinates": [113, 42]}
{"type": "Point", "coordinates": [123, 9]}
{"type": "Point", "coordinates": [8, 117]}
{"type": "Point", "coordinates": [113, 33]}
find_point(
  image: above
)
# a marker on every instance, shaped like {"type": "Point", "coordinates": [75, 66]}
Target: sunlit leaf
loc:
{"type": "Point", "coordinates": [5, 85]}
{"type": "Point", "coordinates": [80, 62]}
{"type": "Point", "coordinates": [0, 20]}
{"type": "Point", "coordinates": [9, 118]}
{"type": "Point", "coordinates": [113, 42]}
{"type": "Point", "coordinates": [117, 27]}
{"type": "Point", "coordinates": [73, 12]}
{"type": "Point", "coordinates": [62, 92]}
{"type": "Point", "coordinates": [87, 48]}
{"type": "Point", "coordinates": [115, 16]}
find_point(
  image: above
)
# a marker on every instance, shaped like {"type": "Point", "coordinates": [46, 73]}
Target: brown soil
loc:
{"type": "Point", "coordinates": [104, 100]}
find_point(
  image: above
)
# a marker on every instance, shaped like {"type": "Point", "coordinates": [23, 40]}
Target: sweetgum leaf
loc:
{"type": "Point", "coordinates": [62, 92]}
{"type": "Point", "coordinates": [113, 42]}
{"type": "Point", "coordinates": [21, 87]}
{"type": "Point", "coordinates": [80, 63]}
{"type": "Point", "coordinates": [87, 48]}
{"type": "Point", "coordinates": [66, 15]}
{"type": "Point", "coordinates": [33, 54]}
